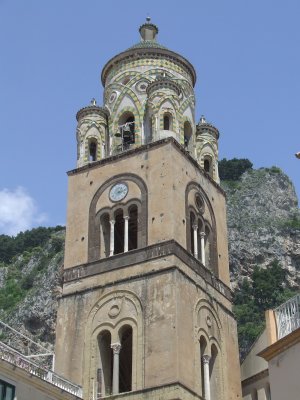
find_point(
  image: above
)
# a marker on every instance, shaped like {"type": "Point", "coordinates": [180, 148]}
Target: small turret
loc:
{"type": "Point", "coordinates": [91, 132]}
{"type": "Point", "coordinates": [207, 152]}
{"type": "Point", "coordinates": [148, 31]}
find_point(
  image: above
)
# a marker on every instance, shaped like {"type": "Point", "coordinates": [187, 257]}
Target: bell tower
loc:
{"type": "Point", "coordinates": [145, 311]}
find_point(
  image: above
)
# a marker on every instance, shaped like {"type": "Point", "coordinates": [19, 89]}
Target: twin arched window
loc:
{"type": "Point", "coordinates": [210, 370]}
{"type": "Point", "coordinates": [200, 238]}
{"type": "Point", "coordinates": [114, 374]}
{"type": "Point", "coordinates": [119, 230]}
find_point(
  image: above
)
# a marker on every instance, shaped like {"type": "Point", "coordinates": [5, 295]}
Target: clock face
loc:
{"type": "Point", "coordinates": [118, 192]}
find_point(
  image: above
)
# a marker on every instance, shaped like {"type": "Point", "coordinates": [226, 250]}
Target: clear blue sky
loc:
{"type": "Point", "coordinates": [246, 54]}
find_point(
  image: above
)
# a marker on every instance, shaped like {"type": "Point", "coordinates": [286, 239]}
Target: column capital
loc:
{"type": "Point", "coordinates": [206, 359]}
{"type": "Point", "coordinates": [116, 347]}
{"type": "Point", "coordinates": [202, 234]}
{"type": "Point", "coordinates": [126, 217]}
{"type": "Point", "coordinates": [112, 221]}
{"type": "Point", "coordinates": [195, 227]}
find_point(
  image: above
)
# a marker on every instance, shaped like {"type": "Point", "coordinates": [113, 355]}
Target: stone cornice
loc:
{"type": "Point", "coordinates": [200, 128]}
{"type": "Point", "coordinates": [92, 109]}
{"type": "Point", "coordinates": [143, 255]}
{"type": "Point", "coordinates": [281, 345]}
{"type": "Point", "coordinates": [140, 53]}
{"type": "Point", "coordinates": [254, 378]}
{"type": "Point", "coordinates": [144, 148]}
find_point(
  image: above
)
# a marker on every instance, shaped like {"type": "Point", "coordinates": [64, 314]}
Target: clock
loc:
{"type": "Point", "coordinates": [118, 192]}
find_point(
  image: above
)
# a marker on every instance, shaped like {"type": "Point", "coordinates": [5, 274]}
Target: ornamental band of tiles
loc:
{"type": "Point", "coordinates": [145, 310]}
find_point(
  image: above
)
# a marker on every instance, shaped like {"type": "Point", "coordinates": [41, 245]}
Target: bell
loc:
{"type": "Point", "coordinates": [126, 129]}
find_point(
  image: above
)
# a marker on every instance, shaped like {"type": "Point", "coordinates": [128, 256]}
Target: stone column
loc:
{"type": "Point", "coordinates": [115, 383]}
{"type": "Point", "coordinates": [126, 219]}
{"type": "Point", "coordinates": [202, 236]}
{"type": "Point", "coordinates": [205, 360]}
{"type": "Point", "coordinates": [112, 237]}
{"type": "Point", "coordinates": [195, 228]}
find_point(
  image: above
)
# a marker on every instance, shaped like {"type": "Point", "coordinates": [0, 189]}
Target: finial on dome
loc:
{"type": "Point", "coordinates": [202, 120]}
{"type": "Point", "coordinates": [93, 102]}
{"type": "Point", "coordinates": [148, 30]}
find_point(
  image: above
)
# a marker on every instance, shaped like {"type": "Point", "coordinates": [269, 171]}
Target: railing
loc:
{"type": "Point", "coordinates": [14, 357]}
{"type": "Point", "coordinates": [288, 316]}
{"type": "Point", "coordinates": [16, 340]}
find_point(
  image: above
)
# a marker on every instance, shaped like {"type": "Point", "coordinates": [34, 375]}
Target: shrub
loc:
{"type": "Point", "coordinates": [233, 169]}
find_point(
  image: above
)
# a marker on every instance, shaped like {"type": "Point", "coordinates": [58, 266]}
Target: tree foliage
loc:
{"type": "Point", "coordinates": [252, 299]}
{"type": "Point", "coordinates": [25, 241]}
{"type": "Point", "coordinates": [231, 170]}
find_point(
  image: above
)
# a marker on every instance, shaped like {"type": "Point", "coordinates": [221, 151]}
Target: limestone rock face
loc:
{"type": "Point", "coordinates": [37, 281]}
{"type": "Point", "coordinates": [263, 224]}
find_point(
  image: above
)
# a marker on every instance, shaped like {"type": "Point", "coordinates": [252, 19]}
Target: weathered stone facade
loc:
{"type": "Point", "coordinates": [146, 305]}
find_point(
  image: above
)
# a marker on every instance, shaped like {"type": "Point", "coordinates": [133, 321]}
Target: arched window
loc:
{"type": "Point", "coordinates": [207, 165]}
{"type": "Point", "coordinates": [119, 232]}
{"type": "Point", "coordinates": [133, 228]}
{"type": "Point", "coordinates": [125, 372]}
{"type": "Point", "coordinates": [93, 150]}
{"type": "Point", "coordinates": [208, 246]}
{"type": "Point", "coordinates": [214, 372]}
{"type": "Point", "coordinates": [203, 349]}
{"type": "Point", "coordinates": [104, 235]}
{"type": "Point", "coordinates": [192, 223]}
{"type": "Point", "coordinates": [167, 122]}
{"type": "Point", "coordinates": [104, 372]}
{"type": "Point", "coordinates": [127, 129]}
{"type": "Point", "coordinates": [187, 132]}
{"type": "Point", "coordinates": [199, 237]}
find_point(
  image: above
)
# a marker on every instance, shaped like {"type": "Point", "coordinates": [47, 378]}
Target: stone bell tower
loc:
{"type": "Point", "coordinates": [145, 311]}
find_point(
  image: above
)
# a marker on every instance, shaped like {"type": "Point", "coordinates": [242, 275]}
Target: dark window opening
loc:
{"type": "Point", "coordinates": [206, 165]}
{"type": "Point", "coordinates": [119, 232]}
{"type": "Point", "coordinates": [203, 345]}
{"type": "Point", "coordinates": [208, 247]}
{"type": "Point", "coordinates": [187, 132]}
{"type": "Point", "coordinates": [167, 122]}
{"type": "Point", "coordinates": [133, 228]}
{"type": "Point", "coordinates": [104, 386]}
{"type": "Point", "coordinates": [129, 131]}
{"type": "Point", "coordinates": [7, 391]}
{"type": "Point", "coordinates": [199, 230]}
{"type": "Point", "coordinates": [105, 235]}
{"type": "Point", "coordinates": [125, 373]}
{"type": "Point", "coordinates": [192, 222]}
{"type": "Point", "coordinates": [93, 151]}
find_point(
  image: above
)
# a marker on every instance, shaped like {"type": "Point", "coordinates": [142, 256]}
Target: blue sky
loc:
{"type": "Point", "coordinates": [246, 54]}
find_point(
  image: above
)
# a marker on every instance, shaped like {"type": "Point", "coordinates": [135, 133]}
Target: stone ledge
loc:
{"type": "Point", "coordinates": [143, 255]}
{"type": "Point", "coordinates": [170, 391]}
{"type": "Point", "coordinates": [143, 148]}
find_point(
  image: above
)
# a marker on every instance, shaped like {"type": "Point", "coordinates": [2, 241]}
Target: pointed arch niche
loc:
{"type": "Point", "coordinates": [114, 345]}
{"type": "Point", "coordinates": [208, 351]}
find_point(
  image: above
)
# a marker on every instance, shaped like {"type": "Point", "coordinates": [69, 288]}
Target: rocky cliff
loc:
{"type": "Point", "coordinates": [263, 224]}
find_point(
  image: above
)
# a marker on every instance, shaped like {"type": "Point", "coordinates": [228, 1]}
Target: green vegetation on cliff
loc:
{"type": "Point", "coordinates": [266, 291]}
{"type": "Point", "coordinates": [23, 259]}
{"type": "Point", "coordinates": [25, 241]}
{"type": "Point", "coordinates": [232, 170]}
